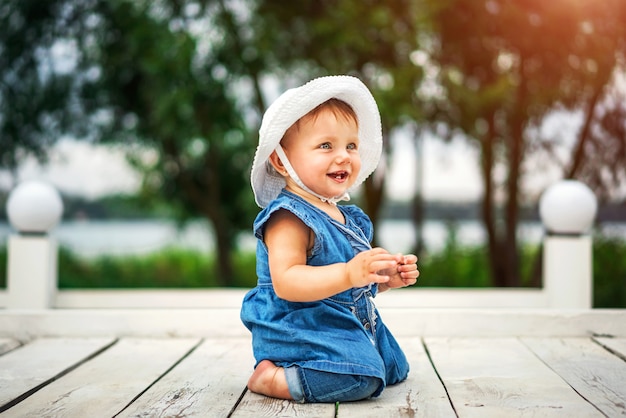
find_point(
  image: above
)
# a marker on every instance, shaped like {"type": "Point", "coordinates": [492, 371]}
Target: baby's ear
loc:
{"type": "Point", "coordinates": [277, 164]}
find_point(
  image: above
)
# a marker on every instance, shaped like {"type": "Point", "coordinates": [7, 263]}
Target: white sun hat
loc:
{"type": "Point", "coordinates": [297, 102]}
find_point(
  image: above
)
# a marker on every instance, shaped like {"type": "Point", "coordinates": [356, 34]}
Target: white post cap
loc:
{"type": "Point", "coordinates": [34, 207]}
{"type": "Point", "coordinates": [568, 207]}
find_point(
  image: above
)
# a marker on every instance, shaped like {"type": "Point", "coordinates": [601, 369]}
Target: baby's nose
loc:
{"type": "Point", "coordinates": [343, 156]}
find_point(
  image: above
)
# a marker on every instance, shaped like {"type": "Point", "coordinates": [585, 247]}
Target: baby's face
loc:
{"type": "Point", "coordinates": [324, 153]}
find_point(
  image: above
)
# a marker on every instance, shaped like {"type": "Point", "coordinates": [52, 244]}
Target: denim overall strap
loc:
{"type": "Point", "coordinates": [355, 235]}
{"type": "Point", "coordinates": [363, 297]}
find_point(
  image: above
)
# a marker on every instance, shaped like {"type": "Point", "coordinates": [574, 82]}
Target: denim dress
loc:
{"type": "Point", "coordinates": [341, 334]}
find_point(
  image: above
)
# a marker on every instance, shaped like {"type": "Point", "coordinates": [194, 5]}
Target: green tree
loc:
{"type": "Point", "coordinates": [136, 72]}
{"type": "Point", "coordinates": [248, 42]}
{"type": "Point", "coordinates": [501, 68]}
{"type": "Point", "coordinates": [186, 79]}
{"type": "Point", "coordinates": [156, 87]}
{"type": "Point", "coordinates": [35, 94]}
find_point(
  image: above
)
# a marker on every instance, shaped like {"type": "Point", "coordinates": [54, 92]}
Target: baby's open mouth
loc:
{"type": "Point", "coordinates": [339, 175]}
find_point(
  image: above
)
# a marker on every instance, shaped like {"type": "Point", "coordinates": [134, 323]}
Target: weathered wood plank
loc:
{"type": "Point", "coordinates": [500, 377]}
{"type": "Point", "coordinates": [106, 384]}
{"type": "Point", "coordinates": [25, 369]}
{"type": "Point", "coordinates": [405, 322]}
{"type": "Point", "coordinates": [473, 323]}
{"type": "Point", "coordinates": [207, 383]}
{"type": "Point", "coordinates": [596, 374]}
{"type": "Point", "coordinates": [616, 346]}
{"type": "Point", "coordinates": [8, 344]}
{"type": "Point", "coordinates": [142, 323]}
{"type": "Point", "coordinates": [421, 395]}
{"type": "Point", "coordinates": [253, 406]}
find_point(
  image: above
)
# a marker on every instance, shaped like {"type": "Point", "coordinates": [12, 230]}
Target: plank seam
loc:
{"type": "Point", "coordinates": [236, 405]}
{"type": "Point", "coordinates": [609, 349]}
{"type": "Point", "coordinates": [59, 375]}
{"type": "Point", "coordinates": [432, 363]}
{"type": "Point", "coordinates": [19, 344]}
{"type": "Point", "coordinates": [529, 348]}
{"type": "Point", "coordinates": [169, 369]}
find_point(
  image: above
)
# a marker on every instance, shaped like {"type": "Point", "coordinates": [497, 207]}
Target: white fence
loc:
{"type": "Point", "coordinates": [567, 210]}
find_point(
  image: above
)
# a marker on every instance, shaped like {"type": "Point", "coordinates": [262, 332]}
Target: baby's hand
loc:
{"type": "Point", "coordinates": [372, 266]}
{"type": "Point", "coordinates": [405, 273]}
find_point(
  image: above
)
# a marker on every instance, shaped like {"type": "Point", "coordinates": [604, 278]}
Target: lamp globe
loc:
{"type": "Point", "coordinates": [568, 207]}
{"type": "Point", "coordinates": [34, 207]}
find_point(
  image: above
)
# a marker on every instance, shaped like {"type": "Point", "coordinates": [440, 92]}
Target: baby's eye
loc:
{"type": "Point", "coordinates": [352, 146]}
{"type": "Point", "coordinates": [325, 145]}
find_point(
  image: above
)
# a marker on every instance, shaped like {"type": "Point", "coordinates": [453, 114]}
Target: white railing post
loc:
{"type": "Point", "coordinates": [567, 210]}
{"type": "Point", "coordinates": [33, 208]}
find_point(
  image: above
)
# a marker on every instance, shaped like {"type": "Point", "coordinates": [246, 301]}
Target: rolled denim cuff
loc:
{"type": "Point", "coordinates": [294, 383]}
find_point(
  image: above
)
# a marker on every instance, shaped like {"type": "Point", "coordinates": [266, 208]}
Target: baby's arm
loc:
{"type": "Point", "coordinates": [288, 239]}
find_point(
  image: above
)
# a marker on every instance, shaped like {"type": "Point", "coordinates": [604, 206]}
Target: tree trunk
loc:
{"type": "Point", "coordinates": [195, 189]}
{"type": "Point", "coordinates": [374, 191]}
{"type": "Point", "coordinates": [221, 225]}
{"type": "Point", "coordinates": [487, 210]}
{"type": "Point", "coordinates": [583, 136]}
{"type": "Point", "coordinates": [417, 218]}
{"type": "Point", "coordinates": [511, 254]}
{"type": "Point", "coordinates": [373, 197]}
{"type": "Point", "coordinates": [578, 156]}
{"type": "Point", "coordinates": [224, 272]}
{"type": "Point", "coordinates": [417, 203]}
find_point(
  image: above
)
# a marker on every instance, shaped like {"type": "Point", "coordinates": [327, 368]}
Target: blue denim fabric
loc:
{"type": "Point", "coordinates": [342, 334]}
{"type": "Point", "coordinates": [306, 385]}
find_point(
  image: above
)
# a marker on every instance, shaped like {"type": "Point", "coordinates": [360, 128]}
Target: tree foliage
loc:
{"type": "Point", "coordinates": [189, 80]}
{"type": "Point", "coordinates": [158, 88]}
{"type": "Point", "coordinates": [36, 104]}
{"type": "Point", "coordinates": [503, 67]}
{"type": "Point", "coordinates": [144, 73]}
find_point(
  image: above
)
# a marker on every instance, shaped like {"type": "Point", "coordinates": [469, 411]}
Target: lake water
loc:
{"type": "Point", "coordinates": [92, 238]}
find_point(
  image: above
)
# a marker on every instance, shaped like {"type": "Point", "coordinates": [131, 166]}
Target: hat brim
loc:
{"type": "Point", "coordinates": [297, 102]}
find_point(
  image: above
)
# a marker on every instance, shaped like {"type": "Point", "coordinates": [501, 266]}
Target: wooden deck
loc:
{"type": "Point", "coordinates": [195, 363]}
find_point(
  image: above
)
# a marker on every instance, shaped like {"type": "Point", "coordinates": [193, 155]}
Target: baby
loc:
{"type": "Point", "coordinates": [316, 334]}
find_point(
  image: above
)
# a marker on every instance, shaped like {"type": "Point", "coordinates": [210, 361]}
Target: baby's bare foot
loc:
{"type": "Point", "coordinates": [269, 379]}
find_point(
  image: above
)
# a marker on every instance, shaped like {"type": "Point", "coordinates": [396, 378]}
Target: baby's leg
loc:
{"type": "Point", "coordinates": [269, 379]}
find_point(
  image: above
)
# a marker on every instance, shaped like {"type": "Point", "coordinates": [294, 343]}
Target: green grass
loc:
{"type": "Point", "coordinates": [457, 265]}
{"type": "Point", "coordinates": [453, 266]}
{"type": "Point", "coordinates": [168, 268]}
{"type": "Point", "coordinates": [609, 273]}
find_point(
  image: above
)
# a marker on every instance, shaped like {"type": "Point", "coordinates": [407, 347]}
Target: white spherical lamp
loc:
{"type": "Point", "coordinates": [34, 207]}
{"type": "Point", "coordinates": [568, 207]}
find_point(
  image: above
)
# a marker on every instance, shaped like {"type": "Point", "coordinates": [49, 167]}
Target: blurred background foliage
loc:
{"type": "Point", "coordinates": [189, 80]}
